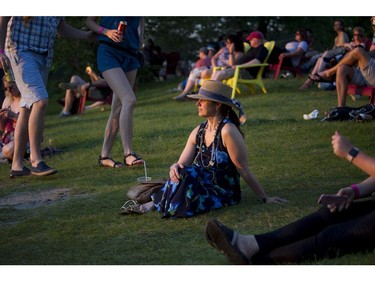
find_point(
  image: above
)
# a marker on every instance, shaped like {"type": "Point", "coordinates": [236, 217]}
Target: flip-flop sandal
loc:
{"type": "Point", "coordinates": [131, 207]}
{"type": "Point", "coordinates": [115, 164]}
{"type": "Point", "coordinates": [134, 163]}
{"type": "Point", "coordinates": [318, 78]}
{"type": "Point", "coordinates": [224, 239]}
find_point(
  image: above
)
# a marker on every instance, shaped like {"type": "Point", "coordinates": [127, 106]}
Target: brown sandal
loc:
{"type": "Point", "coordinates": [115, 163]}
{"type": "Point", "coordinates": [136, 162]}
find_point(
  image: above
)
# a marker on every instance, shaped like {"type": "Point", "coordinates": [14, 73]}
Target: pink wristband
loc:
{"type": "Point", "coordinates": [1, 51]}
{"type": "Point", "coordinates": [356, 190]}
{"type": "Point", "coordinates": [101, 29]}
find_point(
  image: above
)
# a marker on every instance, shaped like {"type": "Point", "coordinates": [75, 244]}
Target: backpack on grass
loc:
{"type": "Point", "coordinates": [362, 113]}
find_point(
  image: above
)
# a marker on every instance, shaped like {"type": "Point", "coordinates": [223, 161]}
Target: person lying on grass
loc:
{"type": "Point", "coordinates": [345, 225]}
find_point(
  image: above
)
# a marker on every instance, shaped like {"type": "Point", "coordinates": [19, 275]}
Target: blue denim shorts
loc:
{"type": "Point", "coordinates": [110, 57]}
{"type": "Point", "coordinates": [31, 74]}
{"type": "Point", "coordinates": [369, 73]}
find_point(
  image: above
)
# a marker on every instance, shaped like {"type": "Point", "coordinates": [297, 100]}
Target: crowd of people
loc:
{"type": "Point", "coordinates": [207, 174]}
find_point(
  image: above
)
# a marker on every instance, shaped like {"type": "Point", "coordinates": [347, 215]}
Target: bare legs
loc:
{"type": "Point", "coordinates": [190, 84]}
{"type": "Point", "coordinates": [70, 93]}
{"type": "Point", "coordinates": [319, 66]}
{"type": "Point", "coordinates": [121, 117]}
{"type": "Point", "coordinates": [356, 56]}
{"type": "Point", "coordinates": [30, 125]}
{"type": "Point", "coordinates": [344, 72]}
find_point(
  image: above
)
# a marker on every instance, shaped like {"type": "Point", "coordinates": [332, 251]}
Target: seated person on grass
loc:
{"type": "Point", "coordinates": [97, 87]}
{"type": "Point", "coordinates": [207, 175]}
{"type": "Point", "coordinates": [344, 225]}
{"type": "Point", "coordinates": [8, 117]}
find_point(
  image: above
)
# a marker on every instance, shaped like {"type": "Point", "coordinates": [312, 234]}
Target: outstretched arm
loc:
{"type": "Point", "coordinates": [66, 30]}
{"type": "Point", "coordinates": [233, 141]}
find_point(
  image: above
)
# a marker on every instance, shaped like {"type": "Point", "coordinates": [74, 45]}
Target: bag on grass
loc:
{"type": "Point", "coordinates": [362, 113]}
{"type": "Point", "coordinates": [142, 192]}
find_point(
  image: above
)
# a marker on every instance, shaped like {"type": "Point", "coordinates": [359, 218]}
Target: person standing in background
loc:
{"type": "Point", "coordinates": [26, 43]}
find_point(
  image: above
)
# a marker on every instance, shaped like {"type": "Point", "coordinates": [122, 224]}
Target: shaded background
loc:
{"type": "Point", "coordinates": [185, 35]}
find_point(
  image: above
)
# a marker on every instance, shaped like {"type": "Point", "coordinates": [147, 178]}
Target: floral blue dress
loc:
{"type": "Point", "coordinates": [203, 186]}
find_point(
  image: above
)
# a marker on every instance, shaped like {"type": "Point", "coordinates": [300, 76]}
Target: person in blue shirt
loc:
{"type": "Point", "coordinates": [117, 58]}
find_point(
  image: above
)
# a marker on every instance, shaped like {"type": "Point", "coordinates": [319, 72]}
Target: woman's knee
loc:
{"type": "Point", "coordinates": [8, 150]}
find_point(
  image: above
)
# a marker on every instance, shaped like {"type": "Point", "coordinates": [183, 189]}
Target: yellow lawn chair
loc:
{"type": "Point", "coordinates": [236, 80]}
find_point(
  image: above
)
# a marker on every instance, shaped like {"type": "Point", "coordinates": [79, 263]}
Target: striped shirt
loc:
{"type": "Point", "coordinates": [35, 34]}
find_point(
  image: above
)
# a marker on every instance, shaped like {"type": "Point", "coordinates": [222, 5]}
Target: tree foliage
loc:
{"type": "Point", "coordinates": [187, 34]}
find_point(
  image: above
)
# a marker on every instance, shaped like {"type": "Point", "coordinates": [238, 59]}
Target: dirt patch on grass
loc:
{"type": "Point", "coordinates": [30, 200]}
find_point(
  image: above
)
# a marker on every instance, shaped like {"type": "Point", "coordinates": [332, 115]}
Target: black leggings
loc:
{"type": "Point", "coordinates": [320, 235]}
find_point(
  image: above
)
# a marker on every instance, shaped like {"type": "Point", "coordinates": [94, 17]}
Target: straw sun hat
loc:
{"type": "Point", "coordinates": [219, 92]}
{"type": "Point", "coordinates": [214, 91]}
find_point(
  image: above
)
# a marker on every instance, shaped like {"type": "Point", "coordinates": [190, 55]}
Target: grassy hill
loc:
{"type": "Point", "coordinates": [72, 218]}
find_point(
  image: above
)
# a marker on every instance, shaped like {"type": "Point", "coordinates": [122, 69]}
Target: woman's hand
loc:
{"type": "Point", "coordinates": [275, 200]}
{"type": "Point", "coordinates": [114, 34]}
{"type": "Point", "coordinates": [347, 193]}
{"type": "Point", "coordinates": [231, 47]}
{"type": "Point", "coordinates": [174, 172]}
{"type": "Point", "coordinates": [340, 145]}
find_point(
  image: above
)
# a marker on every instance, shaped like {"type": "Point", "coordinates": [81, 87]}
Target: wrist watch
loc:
{"type": "Point", "coordinates": [352, 154]}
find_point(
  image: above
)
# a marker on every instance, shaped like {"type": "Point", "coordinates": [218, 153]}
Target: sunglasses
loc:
{"type": "Point", "coordinates": [357, 34]}
{"type": "Point", "coordinates": [298, 33]}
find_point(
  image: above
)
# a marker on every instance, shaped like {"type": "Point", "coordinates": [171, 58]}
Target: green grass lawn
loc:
{"type": "Point", "coordinates": [291, 157]}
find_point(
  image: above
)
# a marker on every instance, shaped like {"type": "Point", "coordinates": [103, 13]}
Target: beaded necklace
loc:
{"type": "Point", "coordinates": [211, 163]}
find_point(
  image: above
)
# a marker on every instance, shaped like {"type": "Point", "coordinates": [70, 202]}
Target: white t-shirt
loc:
{"type": "Point", "coordinates": [293, 46]}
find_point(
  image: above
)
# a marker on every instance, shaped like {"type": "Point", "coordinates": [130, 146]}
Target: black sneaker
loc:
{"type": "Point", "coordinates": [14, 174]}
{"type": "Point", "coordinates": [42, 170]}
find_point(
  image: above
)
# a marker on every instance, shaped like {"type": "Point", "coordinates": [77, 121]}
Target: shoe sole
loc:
{"type": "Point", "coordinates": [45, 173]}
{"type": "Point", "coordinates": [16, 174]}
{"type": "Point", "coordinates": [218, 239]}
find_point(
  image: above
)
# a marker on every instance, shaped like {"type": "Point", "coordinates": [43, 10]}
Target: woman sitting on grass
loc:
{"type": "Point", "coordinates": [207, 174]}
{"type": "Point", "coordinates": [8, 117]}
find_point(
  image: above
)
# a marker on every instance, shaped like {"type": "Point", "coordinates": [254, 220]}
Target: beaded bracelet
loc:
{"type": "Point", "coordinates": [356, 190]}
{"type": "Point", "coordinates": [101, 29]}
